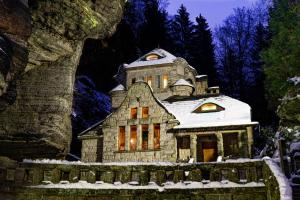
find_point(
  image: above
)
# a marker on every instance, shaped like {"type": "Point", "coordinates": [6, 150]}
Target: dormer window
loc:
{"type": "Point", "coordinates": [152, 57]}
{"type": "Point", "coordinates": [208, 107]}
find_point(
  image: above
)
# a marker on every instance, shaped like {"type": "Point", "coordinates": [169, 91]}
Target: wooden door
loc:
{"type": "Point", "coordinates": [209, 151]}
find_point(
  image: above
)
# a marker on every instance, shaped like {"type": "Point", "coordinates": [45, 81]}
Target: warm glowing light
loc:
{"type": "Point", "coordinates": [149, 81]}
{"type": "Point", "coordinates": [209, 107]}
{"type": "Point", "coordinates": [152, 57]}
{"type": "Point", "coordinates": [165, 81]}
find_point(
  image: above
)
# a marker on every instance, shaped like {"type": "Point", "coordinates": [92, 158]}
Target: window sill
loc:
{"type": "Point", "coordinates": [150, 150]}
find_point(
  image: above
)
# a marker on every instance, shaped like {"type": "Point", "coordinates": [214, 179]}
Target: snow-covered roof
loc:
{"type": "Point", "coordinates": [201, 76]}
{"type": "Point", "coordinates": [120, 87]}
{"type": "Point", "coordinates": [235, 113]}
{"type": "Point", "coordinates": [182, 82]}
{"type": "Point", "coordinates": [164, 57]}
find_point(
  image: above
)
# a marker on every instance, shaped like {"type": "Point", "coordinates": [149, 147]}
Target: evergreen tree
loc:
{"type": "Point", "coordinates": [282, 57]}
{"type": "Point", "coordinates": [154, 30]}
{"type": "Point", "coordinates": [202, 54]}
{"type": "Point", "coordinates": [182, 33]}
{"type": "Point", "coordinates": [256, 91]}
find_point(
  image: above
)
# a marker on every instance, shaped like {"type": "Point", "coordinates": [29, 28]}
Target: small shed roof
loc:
{"type": "Point", "coordinates": [182, 82]}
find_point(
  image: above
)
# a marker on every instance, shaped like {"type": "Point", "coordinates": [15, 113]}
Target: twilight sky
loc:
{"type": "Point", "coordinates": [215, 11]}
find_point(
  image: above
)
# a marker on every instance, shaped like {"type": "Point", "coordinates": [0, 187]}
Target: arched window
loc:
{"type": "Point", "coordinates": [152, 57]}
{"type": "Point", "coordinates": [208, 107]}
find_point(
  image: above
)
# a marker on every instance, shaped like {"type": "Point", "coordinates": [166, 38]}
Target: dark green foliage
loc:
{"type": "Point", "coordinates": [282, 57]}
{"type": "Point", "coordinates": [154, 29]}
{"type": "Point", "coordinates": [202, 50]}
{"type": "Point", "coordinates": [182, 33]}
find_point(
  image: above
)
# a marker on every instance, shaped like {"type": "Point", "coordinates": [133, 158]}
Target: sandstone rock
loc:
{"type": "Point", "coordinates": [44, 42]}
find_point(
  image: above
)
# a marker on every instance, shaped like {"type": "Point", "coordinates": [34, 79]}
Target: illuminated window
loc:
{"type": "Point", "coordinates": [209, 107]}
{"type": "Point", "coordinates": [122, 138]}
{"type": "Point", "coordinates": [145, 112]}
{"type": "Point", "coordinates": [165, 81]}
{"type": "Point", "coordinates": [145, 133]}
{"type": "Point", "coordinates": [158, 81]}
{"type": "Point", "coordinates": [133, 113]}
{"type": "Point", "coordinates": [156, 137]}
{"type": "Point", "coordinates": [133, 138]}
{"type": "Point", "coordinates": [149, 80]}
{"type": "Point", "coordinates": [152, 57]}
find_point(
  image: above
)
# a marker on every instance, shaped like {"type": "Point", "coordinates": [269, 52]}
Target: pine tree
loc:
{"type": "Point", "coordinates": [182, 33]}
{"type": "Point", "coordinates": [202, 54]}
{"type": "Point", "coordinates": [256, 91]}
{"type": "Point", "coordinates": [282, 57]}
{"type": "Point", "coordinates": [154, 30]}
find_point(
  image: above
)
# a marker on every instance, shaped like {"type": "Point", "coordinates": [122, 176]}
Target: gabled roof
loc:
{"type": "Point", "coordinates": [235, 113]}
{"type": "Point", "coordinates": [119, 87]}
{"type": "Point", "coordinates": [164, 57]}
{"type": "Point", "coordinates": [182, 82]}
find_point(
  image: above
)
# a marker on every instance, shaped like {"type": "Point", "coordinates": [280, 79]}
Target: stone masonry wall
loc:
{"type": "Point", "coordinates": [179, 70]}
{"type": "Point", "coordinates": [251, 179]}
{"type": "Point", "coordinates": [139, 95]}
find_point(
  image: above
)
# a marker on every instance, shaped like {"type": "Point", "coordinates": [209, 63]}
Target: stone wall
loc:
{"type": "Point", "coordinates": [176, 71]}
{"type": "Point", "coordinates": [44, 41]}
{"type": "Point", "coordinates": [247, 180]}
{"type": "Point", "coordinates": [139, 95]}
{"type": "Point", "coordinates": [117, 97]}
{"type": "Point", "coordinates": [182, 90]}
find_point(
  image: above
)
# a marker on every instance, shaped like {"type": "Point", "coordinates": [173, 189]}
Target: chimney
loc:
{"type": "Point", "coordinates": [201, 85]}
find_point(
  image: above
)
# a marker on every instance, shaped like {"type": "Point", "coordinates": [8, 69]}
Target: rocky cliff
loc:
{"type": "Point", "coordinates": [40, 46]}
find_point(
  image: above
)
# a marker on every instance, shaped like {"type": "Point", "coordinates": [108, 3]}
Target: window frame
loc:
{"type": "Point", "coordinates": [165, 81]}
{"type": "Point", "coordinates": [124, 136]}
{"type": "Point", "coordinates": [133, 144]}
{"type": "Point", "coordinates": [156, 142]}
{"type": "Point", "coordinates": [145, 128]}
{"type": "Point", "coordinates": [145, 116]}
{"type": "Point", "coordinates": [132, 114]}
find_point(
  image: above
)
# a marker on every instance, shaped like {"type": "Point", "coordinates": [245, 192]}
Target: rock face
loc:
{"type": "Point", "coordinates": [42, 45]}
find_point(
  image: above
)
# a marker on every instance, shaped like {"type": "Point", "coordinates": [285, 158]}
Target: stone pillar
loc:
{"type": "Point", "coordinates": [193, 146]}
{"type": "Point", "coordinates": [220, 144]}
{"type": "Point", "coordinates": [139, 137]}
{"type": "Point", "coordinates": [150, 137]}
{"type": "Point", "coordinates": [250, 139]}
{"type": "Point", "coordinates": [127, 138]}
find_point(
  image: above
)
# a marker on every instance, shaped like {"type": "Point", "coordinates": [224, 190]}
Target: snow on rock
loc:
{"type": "Point", "coordinates": [284, 187]}
{"type": "Point", "coordinates": [295, 80]}
{"type": "Point", "coordinates": [235, 112]}
{"type": "Point", "coordinates": [295, 146]}
{"type": "Point", "coordinates": [151, 185]}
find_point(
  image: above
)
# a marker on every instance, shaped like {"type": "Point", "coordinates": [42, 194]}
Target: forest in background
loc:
{"type": "Point", "coordinates": [251, 55]}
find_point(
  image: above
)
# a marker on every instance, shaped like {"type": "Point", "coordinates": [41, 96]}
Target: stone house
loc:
{"type": "Point", "coordinates": [164, 111]}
